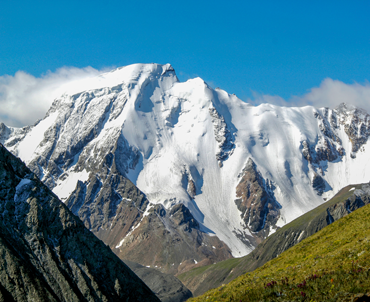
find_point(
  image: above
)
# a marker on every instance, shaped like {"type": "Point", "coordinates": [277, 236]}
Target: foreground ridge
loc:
{"type": "Point", "coordinates": [47, 253]}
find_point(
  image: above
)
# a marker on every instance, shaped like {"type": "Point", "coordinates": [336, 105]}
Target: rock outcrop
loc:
{"type": "Point", "coordinates": [255, 201]}
{"type": "Point", "coordinates": [318, 183]}
{"type": "Point", "coordinates": [356, 123]}
{"type": "Point", "coordinates": [223, 136]}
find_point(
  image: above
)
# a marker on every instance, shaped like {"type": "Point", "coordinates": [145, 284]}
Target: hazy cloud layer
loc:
{"type": "Point", "coordinates": [24, 98]}
{"type": "Point", "coordinates": [330, 94]}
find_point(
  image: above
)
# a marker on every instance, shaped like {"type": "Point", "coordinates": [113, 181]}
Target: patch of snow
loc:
{"type": "Point", "coordinates": [28, 145]}
{"type": "Point", "coordinates": [64, 188]}
{"type": "Point", "coordinates": [272, 231]}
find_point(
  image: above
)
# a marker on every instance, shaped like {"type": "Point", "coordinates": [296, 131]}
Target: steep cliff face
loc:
{"type": "Point", "coordinates": [47, 253]}
{"type": "Point", "coordinates": [356, 123]}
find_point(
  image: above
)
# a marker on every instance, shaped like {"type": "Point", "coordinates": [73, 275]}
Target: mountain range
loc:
{"type": "Point", "coordinates": [175, 175]}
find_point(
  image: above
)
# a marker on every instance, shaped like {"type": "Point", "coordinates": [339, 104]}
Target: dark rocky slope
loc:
{"type": "Point", "coordinates": [167, 287]}
{"type": "Point", "coordinates": [350, 198]}
{"type": "Point", "coordinates": [46, 252]}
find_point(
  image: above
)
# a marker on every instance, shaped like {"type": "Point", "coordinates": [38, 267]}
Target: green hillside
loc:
{"type": "Point", "coordinates": [331, 265]}
{"type": "Point", "coordinates": [350, 198]}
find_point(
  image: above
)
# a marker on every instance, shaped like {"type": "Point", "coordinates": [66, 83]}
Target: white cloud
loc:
{"type": "Point", "coordinates": [333, 92]}
{"type": "Point", "coordinates": [330, 94]}
{"type": "Point", "coordinates": [266, 98]}
{"type": "Point", "coordinates": [24, 98]}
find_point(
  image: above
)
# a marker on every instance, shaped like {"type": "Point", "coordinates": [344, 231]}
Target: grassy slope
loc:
{"type": "Point", "coordinates": [331, 265]}
{"type": "Point", "coordinates": [202, 279]}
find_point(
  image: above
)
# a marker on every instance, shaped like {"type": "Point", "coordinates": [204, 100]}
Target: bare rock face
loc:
{"type": "Point", "coordinates": [256, 203]}
{"type": "Point", "coordinates": [191, 189]}
{"type": "Point", "coordinates": [47, 253]}
{"type": "Point", "coordinates": [328, 146]}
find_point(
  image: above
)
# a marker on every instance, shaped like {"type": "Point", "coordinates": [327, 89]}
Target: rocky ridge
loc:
{"type": "Point", "coordinates": [223, 136]}
{"type": "Point", "coordinates": [47, 253]}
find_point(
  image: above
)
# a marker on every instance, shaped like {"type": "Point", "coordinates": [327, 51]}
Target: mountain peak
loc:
{"type": "Point", "coordinates": [121, 75]}
{"type": "Point", "coordinates": [349, 108]}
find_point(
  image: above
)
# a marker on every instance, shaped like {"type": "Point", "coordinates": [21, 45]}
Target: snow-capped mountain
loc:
{"type": "Point", "coordinates": [241, 170]}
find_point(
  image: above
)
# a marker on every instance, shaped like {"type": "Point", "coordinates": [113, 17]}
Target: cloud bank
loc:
{"type": "Point", "coordinates": [24, 98]}
{"type": "Point", "coordinates": [330, 94]}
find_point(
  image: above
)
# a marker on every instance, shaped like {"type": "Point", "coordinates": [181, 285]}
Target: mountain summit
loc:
{"type": "Point", "coordinates": [240, 171]}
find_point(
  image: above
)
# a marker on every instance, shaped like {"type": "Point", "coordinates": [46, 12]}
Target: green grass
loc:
{"type": "Point", "coordinates": [331, 265]}
{"type": "Point", "coordinates": [201, 279]}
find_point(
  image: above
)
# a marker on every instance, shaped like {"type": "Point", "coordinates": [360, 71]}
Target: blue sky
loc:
{"type": "Point", "coordinates": [276, 48]}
